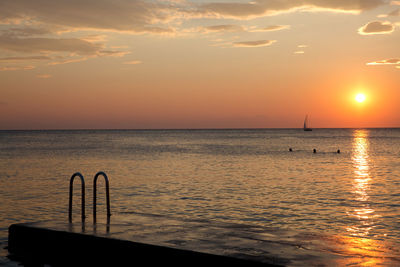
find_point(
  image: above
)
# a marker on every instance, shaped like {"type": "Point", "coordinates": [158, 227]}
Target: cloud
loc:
{"type": "Point", "coordinates": [63, 50]}
{"type": "Point", "coordinates": [26, 31]}
{"type": "Point", "coordinates": [43, 76]}
{"type": "Point", "coordinates": [30, 40]}
{"type": "Point", "coordinates": [227, 28]}
{"type": "Point", "coordinates": [112, 53]}
{"type": "Point", "coordinates": [392, 61]}
{"type": "Point", "coordinates": [37, 45]}
{"type": "Point", "coordinates": [271, 28]}
{"type": "Point", "coordinates": [37, 30]}
{"type": "Point", "coordinates": [12, 68]}
{"type": "Point", "coordinates": [376, 27]}
{"type": "Point", "coordinates": [223, 28]}
{"type": "Point", "coordinates": [155, 16]}
{"type": "Point", "coordinates": [301, 49]}
{"type": "Point", "coordinates": [260, 8]}
{"type": "Point", "coordinates": [259, 43]}
{"type": "Point", "coordinates": [103, 53]}
{"type": "Point", "coordinates": [94, 38]}
{"type": "Point", "coordinates": [67, 61]}
{"type": "Point", "coordinates": [124, 15]}
{"type": "Point", "coordinates": [133, 62]}
{"type": "Point", "coordinates": [16, 59]}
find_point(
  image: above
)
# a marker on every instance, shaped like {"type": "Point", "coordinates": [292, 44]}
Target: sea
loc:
{"type": "Point", "coordinates": [266, 177]}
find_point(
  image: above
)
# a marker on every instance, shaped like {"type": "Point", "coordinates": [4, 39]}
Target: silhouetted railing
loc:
{"type": "Point", "coordinates": [95, 196]}
{"type": "Point", "coordinates": [71, 188]}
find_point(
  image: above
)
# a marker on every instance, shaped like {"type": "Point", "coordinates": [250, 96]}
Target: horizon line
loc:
{"type": "Point", "coordinates": [186, 129]}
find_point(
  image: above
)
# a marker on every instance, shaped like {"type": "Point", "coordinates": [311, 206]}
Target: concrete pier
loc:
{"type": "Point", "coordinates": [135, 240]}
{"type": "Point", "coordinates": [153, 240]}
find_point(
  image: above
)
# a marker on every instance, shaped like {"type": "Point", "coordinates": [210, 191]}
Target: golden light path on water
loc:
{"type": "Point", "coordinates": [361, 183]}
{"type": "Point", "coordinates": [364, 250]}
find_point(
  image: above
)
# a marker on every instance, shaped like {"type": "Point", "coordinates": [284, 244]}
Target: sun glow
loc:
{"type": "Point", "coordinates": [360, 98]}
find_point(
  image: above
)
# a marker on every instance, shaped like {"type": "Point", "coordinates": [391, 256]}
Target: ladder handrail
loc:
{"type": "Point", "coordinates": [71, 183]}
{"type": "Point", "coordinates": [107, 195]}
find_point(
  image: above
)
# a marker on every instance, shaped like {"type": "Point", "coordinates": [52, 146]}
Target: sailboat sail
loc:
{"type": "Point", "coordinates": [306, 127]}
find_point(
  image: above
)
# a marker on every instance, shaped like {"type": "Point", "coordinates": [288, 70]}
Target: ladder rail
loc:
{"type": "Point", "coordinates": [71, 188]}
{"type": "Point", "coordinates": [107, 195]}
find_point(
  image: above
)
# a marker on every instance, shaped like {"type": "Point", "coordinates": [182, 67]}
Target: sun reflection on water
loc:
{"type": "Point", "coordinates": [361, 184]}
{"type": "Point", "coordinates": [361, 251]}
{"type": "Point", "coordinates": [365, 251]}
{"type": "Point", "coordinates": [361, 166]}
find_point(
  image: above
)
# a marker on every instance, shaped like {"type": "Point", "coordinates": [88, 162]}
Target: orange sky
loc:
{"type": "Point", "coordinates": [198, 64]}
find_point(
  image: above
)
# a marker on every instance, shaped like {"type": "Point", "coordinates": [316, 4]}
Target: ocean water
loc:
{"type": "Point", "coordinates": [242, 176]}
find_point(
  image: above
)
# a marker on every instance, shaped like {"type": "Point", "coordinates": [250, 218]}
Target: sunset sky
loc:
{"type": "Point", "coordinates": [129, 64]}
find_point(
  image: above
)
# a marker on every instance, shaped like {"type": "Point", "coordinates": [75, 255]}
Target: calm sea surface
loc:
{"type": "Point", "coordinates": [243, 176]}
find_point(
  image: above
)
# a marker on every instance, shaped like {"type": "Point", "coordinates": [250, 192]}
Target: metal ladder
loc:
{"type": "Point", "coordinates": [107, 196]}
{"type": "Point", "coordinates": [71, 185]}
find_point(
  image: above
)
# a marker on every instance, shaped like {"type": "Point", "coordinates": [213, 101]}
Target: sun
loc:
{"type": "Point", "coordinates": [360, 98]}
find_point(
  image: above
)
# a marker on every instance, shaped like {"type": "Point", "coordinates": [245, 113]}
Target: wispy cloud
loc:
{"type": "Point", "coordinates": [260, 8]}
{"type": "Point", "coordinates": [133, 62]}
{"type": "Point", "coordinates": [112, 53]}
{"type": "Point", "coordinates": [59, 50]}
{"type": "Point", "coordinates": [157, 16]}
{"type": "Point", "coordinates": [258, 43]}
{"type": "Point", "coordinates": [301, 49]}
{"type": "Point", "coordinates": [134, 16]}
{"type": "Point", "coordinates": [29, 58]}
{"type": "Point", "coordinates": [376, 27]}
{"type": "Point", "coordinates": [95, 38]}
{"type": "Point", "coordinates": [223, 28]}
{"type": "Point", "coordinates": [37, 45]}
{"type": "Point", "coordinates": [392, 61]}
{"type": "Point", "coordinates": [59, 31]}
{"type": "Point", "coordinates": [232, 28]}
{"type": "Point", "coordinates": [67, 61]}
{"type": "Point", "coordinates": [43, 76]}
{"type": "Point", "coordinates": [13, 68]}
{"type": "Point", "coordinates": [270, 28]}
{"type": "Point", "coordinates": [25, 30]}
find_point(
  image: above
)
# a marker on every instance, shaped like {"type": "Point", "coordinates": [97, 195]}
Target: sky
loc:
{"type": "Point", "coordinates": [127, 64]}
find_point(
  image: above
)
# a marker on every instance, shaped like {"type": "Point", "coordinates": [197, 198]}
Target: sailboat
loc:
{"type": "Point", "coordinates": [306, 128]}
